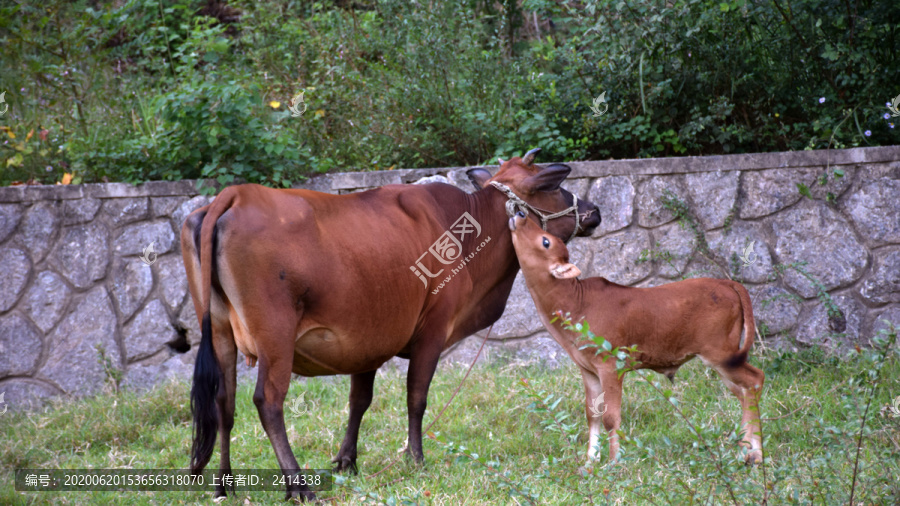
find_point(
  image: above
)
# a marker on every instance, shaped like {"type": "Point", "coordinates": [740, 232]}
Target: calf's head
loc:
{"type": "Point", "coordinates": [541, 255]}
{"type": "Point", "coordinates": [536, 191]}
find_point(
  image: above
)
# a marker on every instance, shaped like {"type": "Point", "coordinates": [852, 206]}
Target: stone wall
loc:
{"type": "Point", "coordinates": [78, 306]}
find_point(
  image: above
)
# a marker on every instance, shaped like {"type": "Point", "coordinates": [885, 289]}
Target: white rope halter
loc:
{"type": "Point", "coordinates": [515, 202]}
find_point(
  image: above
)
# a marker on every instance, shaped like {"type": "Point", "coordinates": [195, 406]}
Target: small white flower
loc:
{"type": "Point", "coordinates": [868, 133]}
{"type": "Point", "coordinates": [822, 100]}
{"type": "Point", "coordinates": [886, 116]}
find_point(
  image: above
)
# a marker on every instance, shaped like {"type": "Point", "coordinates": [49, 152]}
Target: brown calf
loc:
{"type": "Point", "coordinates": [669, 324]}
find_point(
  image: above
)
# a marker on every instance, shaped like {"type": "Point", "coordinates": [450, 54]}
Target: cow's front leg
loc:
{"type": "Point", "coordinates": [360, 399]}
{"type": "Point", "coordinates": [422, 363]}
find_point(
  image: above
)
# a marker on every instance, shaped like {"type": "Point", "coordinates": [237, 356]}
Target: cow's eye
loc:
{"type": "Point", "coordinates": [546, 243]}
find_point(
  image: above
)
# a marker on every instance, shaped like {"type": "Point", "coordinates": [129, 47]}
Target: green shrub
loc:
{"type": "Point", "coordinates": [209, 124]}
{"type": "Point", "coordinates": [703, 76]}
{"type": "Point", "coordinates": [134, 90]}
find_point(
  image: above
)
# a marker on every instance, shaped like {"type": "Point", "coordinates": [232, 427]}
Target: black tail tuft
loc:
{"type": "Point", "coordinates": [736, 361]}
{"type": "Point", "coordinates": [203, 399]}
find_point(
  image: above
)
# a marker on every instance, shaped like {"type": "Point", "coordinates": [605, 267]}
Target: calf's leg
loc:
{"type": "Point", "coordinates": [612, 395]}
{"type": "Point", "coordinates": [745, 382]}
{"type": "Point", "coordinates": [592, 390]}
{"type": "Point", "coordinates": [360, 398]}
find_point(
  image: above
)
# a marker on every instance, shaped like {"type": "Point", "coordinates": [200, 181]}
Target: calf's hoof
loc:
{"type": "Point", "coordinates": [753, 458]}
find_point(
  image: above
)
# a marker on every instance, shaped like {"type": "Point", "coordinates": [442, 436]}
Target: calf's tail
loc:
{"type": "Point", "coordinates": [207, 373]}
{"type": "Point", "coordinates": [748, 332]}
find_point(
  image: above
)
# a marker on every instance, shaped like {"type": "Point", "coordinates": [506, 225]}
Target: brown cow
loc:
{"type": "Point", "coordinates": [322, 284]}
{"type": "Point", "coordinates": [669, 324]}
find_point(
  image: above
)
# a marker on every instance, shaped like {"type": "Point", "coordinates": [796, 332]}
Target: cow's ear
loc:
{"type": "Point", "coordinates": [548, 179]}
{"type": "Point", "coordinates": [478, 177]}
{"type": "Point", "coordinates": [565, 271]}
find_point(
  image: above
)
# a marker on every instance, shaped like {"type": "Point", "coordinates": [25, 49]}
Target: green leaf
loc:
{"type": "Point", "coordinates": [804, 190]}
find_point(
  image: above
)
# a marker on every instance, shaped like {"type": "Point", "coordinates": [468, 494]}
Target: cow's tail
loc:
{"type": "Point", "coordinates": [207, 373]}
{"type": "Point", "coordinates": [748, 332]}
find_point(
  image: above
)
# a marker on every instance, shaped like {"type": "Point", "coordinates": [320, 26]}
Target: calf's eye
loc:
{"type": "Point", "coordinates": [546, 243]}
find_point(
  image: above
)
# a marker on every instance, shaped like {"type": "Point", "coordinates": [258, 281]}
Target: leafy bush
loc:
{"type": "Point", "coordinates": [137, 90]}
{"type": "Point", "coordinates": [705, 76]}
{"type": "Point", "coordinates": [208, 125]}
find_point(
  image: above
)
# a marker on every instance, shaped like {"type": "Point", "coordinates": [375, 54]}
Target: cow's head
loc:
{"type": "Point", "coordinates": [539, 252]}
{"type": "Point", "coordinates": [539, 187]}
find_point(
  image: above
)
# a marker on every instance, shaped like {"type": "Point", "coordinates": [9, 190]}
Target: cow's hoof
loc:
{"type": "Point", "coordinates": [418, 460]}
{"type": "Point", "coordinates": [344, 464]}
{"type": "Point", "coordinates": [299, 496]}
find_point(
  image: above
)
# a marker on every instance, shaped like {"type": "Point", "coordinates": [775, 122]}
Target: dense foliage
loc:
{"type": "Point", "coordinates": [168, 89]}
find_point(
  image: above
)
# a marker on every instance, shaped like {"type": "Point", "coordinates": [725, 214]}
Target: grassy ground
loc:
{"type": "Point", "coordinates": [814, 405]}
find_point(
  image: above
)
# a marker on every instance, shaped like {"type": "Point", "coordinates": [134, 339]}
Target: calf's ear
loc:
{"type": "Point", "coordinates": [548, 179]}
{"type": "Point", "coordinates": [565, 271]}
{"type": "Point", "coordinates": [478, 177]}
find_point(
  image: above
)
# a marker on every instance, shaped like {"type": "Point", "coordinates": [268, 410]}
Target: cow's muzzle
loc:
{"type": "Point", "coordinates": [590, 219]}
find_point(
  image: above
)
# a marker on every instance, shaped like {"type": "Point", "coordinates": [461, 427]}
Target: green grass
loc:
{"type": "Point", "coordinates": [813, 403]}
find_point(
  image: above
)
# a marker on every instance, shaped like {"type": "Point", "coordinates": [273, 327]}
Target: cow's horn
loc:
{"type": "Point", "coordinates": [529, 156]}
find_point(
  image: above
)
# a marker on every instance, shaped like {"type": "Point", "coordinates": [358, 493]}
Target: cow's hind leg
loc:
{"type": "Point", "coordinates": [226, 353]}
{"type": "Point", "coordinates": [745, 382]}
{"type": "Point", "coordinates": [360, 399]}
{"type": "Point", "coordinates": [275, 361]}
